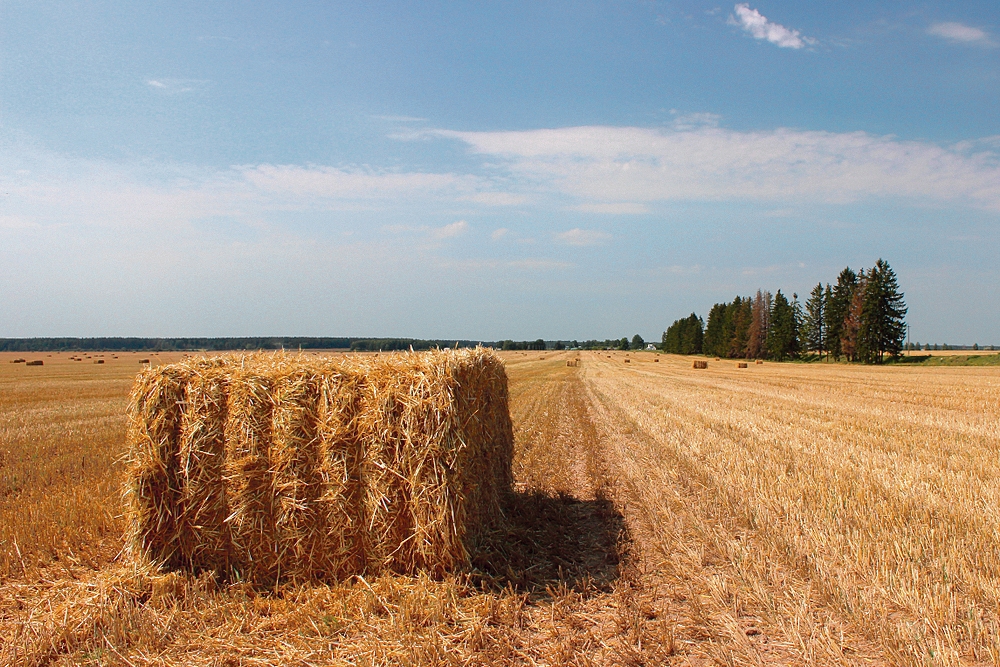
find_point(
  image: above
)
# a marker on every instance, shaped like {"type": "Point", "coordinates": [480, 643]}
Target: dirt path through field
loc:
{"type": "Point", "coordinates": [676, 584]}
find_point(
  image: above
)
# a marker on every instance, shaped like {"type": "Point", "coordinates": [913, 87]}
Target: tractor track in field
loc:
{"type": "Point", "coordinates": [664, 591]}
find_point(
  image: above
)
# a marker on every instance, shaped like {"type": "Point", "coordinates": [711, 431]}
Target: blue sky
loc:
{"type": "Point", "coordinates": [476, 170]}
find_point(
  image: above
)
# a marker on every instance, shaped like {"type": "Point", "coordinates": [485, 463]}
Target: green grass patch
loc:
{"type": "Point", "coordinates": [951, 360]}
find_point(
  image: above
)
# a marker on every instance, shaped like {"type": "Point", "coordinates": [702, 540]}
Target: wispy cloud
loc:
{"type": "Point", "coordinates": [757, 25]}
{"type": "Point", "coordinates": [597, 165]}
{"type": "Point", "coordinates": [450, 231]}
{"type": "Point", "coordinates": [583, 237]}
{"type": "Point", "coordinates": [333, 183]}
{"type": "Point", "coordinates": [961, 33]}
{"type": "Point", "coordinates": [499, 233]}
{"type": "Point", "coordinates": [692, 121]}
{"type": "Point", "coordinates": [175, 86]}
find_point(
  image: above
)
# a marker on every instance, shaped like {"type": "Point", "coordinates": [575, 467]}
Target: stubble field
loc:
{"type": "Point", "coordinates": [779, 514]}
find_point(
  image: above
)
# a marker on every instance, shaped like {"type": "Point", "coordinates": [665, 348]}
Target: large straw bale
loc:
{"type": "Point", "coordinates": [339, 544]}
{"type": "Point", "coordinates": [267, 468]}
{"type": "Point", "coordinates": [438, 445]}
{"type": "Point", "coordinates": [203, 533]}
{"type": "Point", "coordinates": [246, 475]}
{"type": "Point", "coordinates": [154, 422]}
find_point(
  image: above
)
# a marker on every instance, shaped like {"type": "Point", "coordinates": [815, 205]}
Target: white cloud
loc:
{"type": "Point", "coordinates": [499, 233]}
{"type": "Point", "coordinates": [597, 165]}
{"type": "Point", "coordinates": [693, 121]}
{"type": "Point", "coordinates": [334, 183]}
{"type": "Point", "coordinates": [964, 34]}
{"type": "Point", "coordinates": [450, 231]}
{"type": "Point", "coordinates": [757, 25]}
{"type": "Point", "coordinates": [583, 237]}
{"type": "Point", "coordinates": [174, 86]}
{"type": "Point", "coordinates": [613, 208]}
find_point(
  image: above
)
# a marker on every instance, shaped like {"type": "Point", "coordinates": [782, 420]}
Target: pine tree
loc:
{"type": "Point", "coordinates": [714, 330]}
{"type": "Point", "coordinates": [827, 298]}
{"type": "Point", "coordinates": [694, 336]}
{"type": "Point", "coordinates": [741, 328]}
{"type": "Point", "coordinates": [684, 336]}
{"type": "Point", "coordinates": [782, 338]}
{"type": "Point", "coordinates": [729, 327]}
{"type": "Point", "coordinates": [814, 321]}
{"type": "Point", "coordinates": [837, 309]}
{"type": "Point", "coordinates": [760, 314]}
{"type": "Point", "coordinates": [851, 326]}
{"type": "Point", "coordinates": [866, 343]}
{"type": "Point", "coordinates": [883, 328]}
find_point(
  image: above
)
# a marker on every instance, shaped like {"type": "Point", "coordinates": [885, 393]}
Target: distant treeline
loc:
{"type": "Point", "coordinates": [861, 318]}
{"type": "Point", "coordinates": [295, 343]}
{"type": "Point", "coordinates": [221, 344]}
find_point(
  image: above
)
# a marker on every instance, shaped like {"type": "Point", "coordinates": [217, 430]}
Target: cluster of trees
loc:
{"type": "Point", "coordinates": [623, 343]}
{"type": "Point", "coordinates": [861, 318]}
{"type": "Point", "coordinates": [521, 345]}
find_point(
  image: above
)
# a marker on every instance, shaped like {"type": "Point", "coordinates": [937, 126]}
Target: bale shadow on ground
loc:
{"type": "Point", "coordinates": [552, 541]}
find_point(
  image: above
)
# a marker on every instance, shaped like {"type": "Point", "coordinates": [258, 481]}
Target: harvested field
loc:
{"type": "Point", "coordinates": [784, 514]}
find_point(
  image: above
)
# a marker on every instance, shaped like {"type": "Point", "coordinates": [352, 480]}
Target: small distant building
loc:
{"type": "Point", "coordinates": [651, 347]}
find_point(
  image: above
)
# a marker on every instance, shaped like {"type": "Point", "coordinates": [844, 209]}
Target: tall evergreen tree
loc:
{"type": "Point", "coordinates": [814, 321]}
{"type": "Point", "coordinates": [782, 335]}
{"type": "Point", "coordinates": [729, 327]}
{"type": "Point", "coordinates": [837, 310]}
{"type": "Point", "coordinates": [882, 327]}
{"type": "Point", "coordinates": [850, 345]}
{"type": "Point", "coordinates": [694, 337]}
{"type": "Point", "coordinates": [684, 336]}
{"type": "Point", "coordinates": [742, 317]}
{"type": "Point", "coordinates": [827, 299]}
{"type": "Point", "coordinates": [760, 314]}
{"type": "Point", "coordinates": [714, 330]}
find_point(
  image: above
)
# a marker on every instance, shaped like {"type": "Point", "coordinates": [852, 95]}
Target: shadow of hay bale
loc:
{"type": "Point", "coordinates": [550, 540]}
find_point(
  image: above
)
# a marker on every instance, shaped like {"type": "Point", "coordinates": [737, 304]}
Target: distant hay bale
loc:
{"type": "Point", "coordinates": [144, 361]}
{"type": "Point", "coordinates": [36, 362]}
{"type": "Point", "coordinates": [99, 361]}
{"type": "Point", "coordinates": [268, 468]}
{"type": "Point", "coordinates": [741, 364]}
{"type": "Point", "coordinates": [700, 364]}
{"type": "Point", "coordinates": [628, 361]}
{"type": "Point", "coordinates": [656, 360]}
{"type": "Point", "coordinates": [758, 361]}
